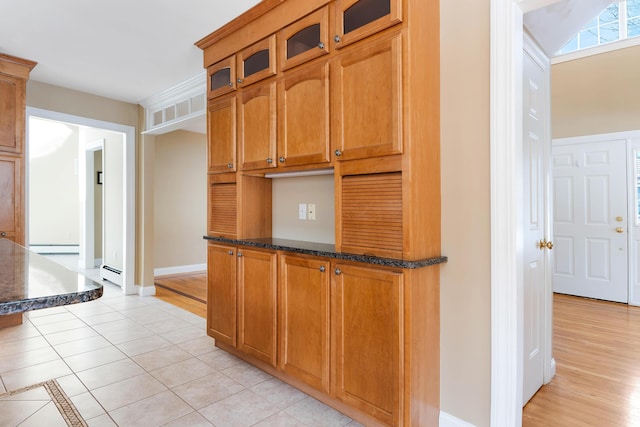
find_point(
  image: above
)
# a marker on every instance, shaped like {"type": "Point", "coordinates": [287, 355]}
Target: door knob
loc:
{"type": "Point", "coordinates": [619, 230]}
{"type": "Point", "coordinates": [544, 244]}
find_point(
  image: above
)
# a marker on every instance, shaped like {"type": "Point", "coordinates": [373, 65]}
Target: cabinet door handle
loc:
{"type": "Point", "coordinates": [336, 38]}
{"type": "Point", "coordinates": [230, 252]}
{"type": "Point", "coordinates": [281, 159]}
{"type": "Point", "coordinates": [320, 45]}
{"type": "Point", "coordinates": [322, 269]}
{"type": "Point", "coordinates": [269, 160]}
{"type": "Point", "coordinates": [338, 153]}
{"type": "Point", "coordinates": [230, 84]}
{"type": "Point", "coordinates": [230, 165]}
{"type": "Point", "coordinates": [240, 80]}
{"type": "Point", "coordinates": [338, 271]}
{"type": "Point", "coordinates": [239, 254]}
{"type": "Point", "coordinates": [3, 234]}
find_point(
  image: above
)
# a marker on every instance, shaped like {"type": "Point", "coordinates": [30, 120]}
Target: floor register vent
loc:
{"type": "Point", "coordinates": [111, 274]}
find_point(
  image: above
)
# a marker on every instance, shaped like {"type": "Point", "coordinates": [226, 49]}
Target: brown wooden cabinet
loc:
{"type": "Point", "coordinates": [221, 77]}
{"type": "Point", "coordinates": [303, 137]}
{"type": "Point", "coordinates": [14, 73]}
{"type": "Point", "coordinates": [257, 282]}
{"type": "Point", "coordinates": [221, 293]}
{"type": "Point", "coordinates": [304, 285]}
{"type": "Point", "coordinates": [368, 340]}
{"type": "Point", "coordinates": [221, 135]}
{"type": "Point", "coordinates": [257, 127]}
{"type": "Point", "coordinates": [357, 19]}
{"type": "Point", "coordinates": [305, 39]}
{"type": "Point", "coordinates": [11, 198]}
{"type": "Point", "coordinates": [356, 89]}
{"type": "Point", "coordinates": [367, 100]}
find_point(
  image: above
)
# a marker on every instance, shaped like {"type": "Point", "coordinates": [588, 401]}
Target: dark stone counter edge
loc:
{"type": "Point", "coordinates": [299, 248]}
{"type": "Point", "coordinates": [20, 306]}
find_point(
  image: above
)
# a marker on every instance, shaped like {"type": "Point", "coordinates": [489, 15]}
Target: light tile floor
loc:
{"type": "Point", "coordinates": [138, 361]}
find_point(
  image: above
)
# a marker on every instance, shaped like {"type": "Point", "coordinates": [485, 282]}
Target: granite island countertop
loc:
{"type": "Point", "coordinates": [29, 281]}
{"type": "Point", "coordinates": [325, 250]}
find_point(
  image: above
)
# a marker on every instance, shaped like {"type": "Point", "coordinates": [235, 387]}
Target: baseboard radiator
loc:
{"type": "Point", "coordinates": [111, 274]}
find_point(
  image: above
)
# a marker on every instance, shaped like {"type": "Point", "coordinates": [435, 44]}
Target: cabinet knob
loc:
{"type": "Point", "coordinates": [338, 271]}
{"type": "Point", "coordinates": [230, 165]}
{"type": "Point", "coordinates": [3, 234]}
{"type": "Point", "coordinates": [320, 45]}
{"type": "Point", "coordinates": [336, 38]}
{"type": "Point", "coordinates": [230, 84]}
{"type": "Point", "coordinates": [322, 269]}
{"type": "Point", "coordinates": [338, 153]}
{"type": "Point", "coordinates": [281, 159]}
{"type": "Point", "coordinates": [239, 80]}
{"type": "Point", "coordinates": [269, 160]}
{"type": "Point", "coordinates": [239, 254]}
{"type": "Point", "coordinates": [230, 252]}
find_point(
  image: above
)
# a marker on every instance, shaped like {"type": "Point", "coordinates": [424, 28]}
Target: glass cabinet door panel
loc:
{"type": "Point", "coordinates": [257, 62]}
{"type": "Point", "coordinates": [222, 77]}
{"type": "Point", "coordinates": [364, 12]}
{"type": "Point", "coordinates": [305, 39]}
{"type": "Point", "coordinates": [357, 19]}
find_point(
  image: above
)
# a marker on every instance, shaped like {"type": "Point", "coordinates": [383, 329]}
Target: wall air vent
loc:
{"type": "Point", "coordinates": [180, 107]}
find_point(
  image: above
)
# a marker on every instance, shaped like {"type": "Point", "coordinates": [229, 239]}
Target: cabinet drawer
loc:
{"type": "Point", "coordinates": [371, 214]}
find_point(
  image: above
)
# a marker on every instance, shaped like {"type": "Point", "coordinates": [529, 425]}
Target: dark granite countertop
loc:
{"type": "Point", "coordinates": [29, 281]}
{"type": "Point", "coordinates": [326, 250]}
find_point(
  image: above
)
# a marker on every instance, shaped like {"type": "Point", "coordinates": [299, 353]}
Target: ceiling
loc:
{"type": "Point", "coordinates": [121, 49]}
{"type": "Point", "coordinates": [130, 50]}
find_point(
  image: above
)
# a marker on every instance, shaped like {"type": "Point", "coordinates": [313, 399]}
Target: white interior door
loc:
{"type": "Point", "coordinates": [590, 220]}
{"type": "Point", "coordinates": [536, 142]}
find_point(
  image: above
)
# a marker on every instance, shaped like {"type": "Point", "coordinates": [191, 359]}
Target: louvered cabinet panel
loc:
{"type": "Point", "coordinates": [371, 217]}
{"type": "Point", "coordinates": [223, 209]}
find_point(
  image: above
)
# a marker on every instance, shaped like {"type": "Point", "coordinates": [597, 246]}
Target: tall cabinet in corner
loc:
{"type": "Point", "coordinates": [14, 73]}
{"type": "Point", "coordinates": [352, 88]}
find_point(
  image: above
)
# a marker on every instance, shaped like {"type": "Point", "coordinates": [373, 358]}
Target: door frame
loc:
{"type": "Point", "coordinates": [87, 209]}
{"type": "Point", "coordinates": [128, 285]}
{"type": "Point", "coordinates": [506, 56]}
{"type": "Point", "coordinates": [632, 142]}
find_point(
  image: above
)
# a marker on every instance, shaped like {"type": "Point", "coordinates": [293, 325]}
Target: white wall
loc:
{"type": "Point", "coordinates": [53, 183]}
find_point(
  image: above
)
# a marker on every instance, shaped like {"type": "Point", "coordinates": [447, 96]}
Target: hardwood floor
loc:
{"type": "Point", "coordinates": [596, 345]}
{"type": "Point", "coordinates": [188, 291]}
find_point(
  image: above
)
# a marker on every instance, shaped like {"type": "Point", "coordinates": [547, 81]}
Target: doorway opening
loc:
{"type": "Point", "coordinates": [107, 238]}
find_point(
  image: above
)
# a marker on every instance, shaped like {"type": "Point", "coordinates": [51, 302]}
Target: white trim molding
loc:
{"type": "Point", "coordinates": [448, 420]}
{"type": "Point", "coordinates": [146, 291]}
{"type": "Point", "coordinates": [506, 213]}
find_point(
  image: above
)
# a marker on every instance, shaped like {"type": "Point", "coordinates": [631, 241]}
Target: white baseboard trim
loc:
{"type": "Point", "coordinates": [55, 249]}
{"type": "Point", "coordinates": [179, 269]}
{"type": "Point", "coordinates": [146, 291]}
{"type": "Point", "coordinates": [447, 420]}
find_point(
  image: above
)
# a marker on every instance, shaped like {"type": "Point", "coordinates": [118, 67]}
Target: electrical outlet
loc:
{"type": "Point", "coordinates": [311, 211]}
{"type": "Point", "coordinates": [302, 211]}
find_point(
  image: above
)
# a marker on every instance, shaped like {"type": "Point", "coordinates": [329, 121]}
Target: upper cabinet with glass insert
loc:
{"type": "Point", "coordinates": [221, 77]}
{"type": "Point", "coordinates": [356, 19]}
{"type": "Point", "coordinates": [257, 62]}
{"type": "Point", "coordinates": [305, 39]}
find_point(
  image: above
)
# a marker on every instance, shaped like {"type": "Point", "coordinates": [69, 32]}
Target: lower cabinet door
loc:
{"type": "Point", "coordinates": [304, 319]}
{"type": "Point", "coordinates": [11, 204]}
{"type": "Point", "coordinates": [257, 304]}
{"type": "Point", "coordinates": [221, 293]}
{"type": "Point", "coordinates": [368, 333]}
